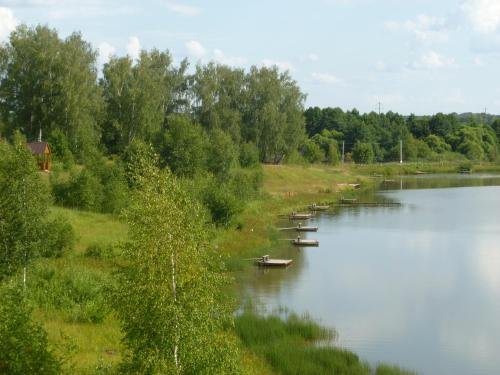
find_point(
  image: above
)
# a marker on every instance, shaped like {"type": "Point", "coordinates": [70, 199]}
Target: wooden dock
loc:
{"type": "Point", "coordinates": [299, 216]}
{"type": "Point", "coordinates": [301, 228]}
{"type": "Point", "coordinates": [317, 207]}
{"type": "Point", "coordinates": [348, 200]}
{"type": "Point", "coordinates": [300, 242]}
{"type": "Point", "coordinates": [265, 261]}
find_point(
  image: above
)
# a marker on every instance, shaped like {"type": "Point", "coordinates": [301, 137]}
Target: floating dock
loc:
{"type": "Point", "coordinates": [317, 207]}
{"type": "Point", "coordinates": [301, 228]}
{"type": "Point", "coordinates": [299, 216]}
{"type": "Point", "coordinates": [265, 261]}
{"type": "Point", "coordinates": [301, 242]}
{"type": "Point", "coordinates": [348, 200]}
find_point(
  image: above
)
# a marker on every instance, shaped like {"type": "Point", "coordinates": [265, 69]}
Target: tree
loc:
{"type": "Point", "coordinates": [23, 343]}
{"type": "Point", "coordinates": [363, 153]}
{"type": "Point", "coordinates": [48, 83]}
{"type": "Point", "coordinates": [170, 292]}
{"type": "Point", "coordinates": [23, 206]}
{"type": "Point", "coordinates": [182, 146]}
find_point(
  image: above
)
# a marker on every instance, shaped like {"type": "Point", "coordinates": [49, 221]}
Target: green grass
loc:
{"type": "Point", "coordinates": [91, 227]}
{"type": "Point", "coordinates": [297, 345]}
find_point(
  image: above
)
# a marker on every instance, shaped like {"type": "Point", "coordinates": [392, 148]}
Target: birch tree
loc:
{"type": "Point", "coordinates": [170, 298]}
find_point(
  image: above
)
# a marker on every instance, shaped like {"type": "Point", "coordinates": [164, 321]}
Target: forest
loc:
{"type": "Point", "coordinates": [175, 151]}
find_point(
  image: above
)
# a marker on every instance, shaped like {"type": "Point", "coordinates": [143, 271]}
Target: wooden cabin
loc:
{"type": "Point", "coordinates": [43, 154]}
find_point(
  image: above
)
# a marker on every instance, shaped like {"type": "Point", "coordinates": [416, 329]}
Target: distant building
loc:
{"type": "Point", "coordinates": [42, 152]}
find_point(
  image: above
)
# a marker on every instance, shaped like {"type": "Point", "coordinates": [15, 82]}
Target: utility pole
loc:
{"type": "Point", "coordinates": [400, 151]}
{"type": "Point", "coordinates": [343, 152]}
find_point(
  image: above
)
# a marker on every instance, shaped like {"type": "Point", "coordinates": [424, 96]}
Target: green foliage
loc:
{"type": "Point", "coordinates": [58, 237]}
{"type": "Point", "coordinates": [392, 370]}
{"type": "Point", "coordinates": [221, 202]}
{"type": "Point", "coordinates": [60, 148]}
{"type": "Point", "coordinates": [249, 155]}
{"type": "Point", "coordinates": [78, 293]}
{"type": "Point", "coordinates": [312, 152]}
{"type": "Point", "coordinates": [138, 156]}
{"type": "Point", "coordinates": [475, 142]}
{"type": "Point", "coordinates": [23, 206]}
{"type": "Point", "coordinates": [222, 154]}
{"type": "Point", "coordinates": [98, 250]}
{"type": "Point", "coordinates": [56, 90]}
{"type": "Point", "coordinates": [23, 343]}
{"type": "Point", "coordinates": [169, 297]}
{"type": "Point", "coordinates": [83, 190]}
{"type": "Point", "coordinates": [182, 146]}
{"type": "Point", "coordinates": [362, 153]}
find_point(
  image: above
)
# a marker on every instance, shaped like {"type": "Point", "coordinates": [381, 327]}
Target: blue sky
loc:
{"type": "Point", "coordinates": [412, 56]}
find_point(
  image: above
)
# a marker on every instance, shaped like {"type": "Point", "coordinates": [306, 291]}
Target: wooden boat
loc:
{"type": "Point", "coordinates": [265, 261]}
{"type": "Point", "coordinates": [300, 216]}
{"type": "Point", "coordinates": [305, 242]}
{"type": "Point", "coordinates": [317, 207]}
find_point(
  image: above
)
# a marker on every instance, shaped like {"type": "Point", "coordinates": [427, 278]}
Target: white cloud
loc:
{"type": "Point", "coordinates": [106, 50]}
{"type": "Point", "coordinates": [483, 14]}
{"type": "Point", "coordinates": [425, 29]}
{"type": "Point", "coordinates": [281, 65]}
{"type": "Point", "coordinates": [7, 23]}
{"type": "Point", "coordinates": [183, 9]}
{"type": "Point", "coordinates": [134, 47]}
{"type": "Point", "coordinates": [325, 78]}
{"type": "Point", "coordinates": [196, 49]}
{"type": "Point", "coordinates": [221, 58]}
{"type": "Point", "coordinates": [432, 60]}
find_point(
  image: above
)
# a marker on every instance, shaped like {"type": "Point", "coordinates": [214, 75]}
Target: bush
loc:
{"type": "Point", "coordinates": [59, 236]}
{"type": "Point", "coordinates": [221, 203]}
{"type": "Point", "coordinates": [79, 293]}
{"type": "Point", "coordinates": [249, 155]}
{"type": "Point", "coordinates": [246, 183]}
{"type": "Point", "coordinates": [23, 343]}
{"type": "Point", "coordinates": [83, 190]}
{"type": "Point", "coordinates": [363, 153]}
{"type": "Point", "coordinates": [97, 250]}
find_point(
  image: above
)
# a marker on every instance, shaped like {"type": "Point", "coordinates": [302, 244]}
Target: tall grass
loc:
{"type": "Point", "coordinates": [299, 346]}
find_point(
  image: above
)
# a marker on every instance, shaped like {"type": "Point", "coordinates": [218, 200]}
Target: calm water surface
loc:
{"type": "Point", "coordinates": [416, 285]}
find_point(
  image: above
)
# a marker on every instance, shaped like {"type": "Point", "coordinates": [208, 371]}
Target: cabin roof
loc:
{"type": "Point", "coordinates": [38, 148]}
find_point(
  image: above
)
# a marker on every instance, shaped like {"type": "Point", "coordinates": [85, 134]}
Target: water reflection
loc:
{"type": "Point", "coordinates": [417, 285]}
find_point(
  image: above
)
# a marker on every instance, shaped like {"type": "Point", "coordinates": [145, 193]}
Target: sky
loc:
{"type": "Point", "coordinates": [408, 56]}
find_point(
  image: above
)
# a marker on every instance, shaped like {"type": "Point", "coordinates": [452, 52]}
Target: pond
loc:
{"type": "Point", "coordinates": [416, 285]}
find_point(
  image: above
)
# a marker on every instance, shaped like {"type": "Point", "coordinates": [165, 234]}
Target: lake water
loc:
{"type": "Point", "coordinates": [416, 285]}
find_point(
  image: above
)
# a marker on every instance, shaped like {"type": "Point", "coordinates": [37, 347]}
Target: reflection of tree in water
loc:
{"type": "Point", "coordinates": [442, 181]}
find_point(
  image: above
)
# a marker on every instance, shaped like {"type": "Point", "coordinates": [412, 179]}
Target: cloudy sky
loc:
{"type": "Point", "coordinates": [412, 56]}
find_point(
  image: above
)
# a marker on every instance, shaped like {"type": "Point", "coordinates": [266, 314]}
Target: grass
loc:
{"type": "Point", "coordinates": [298, 346]}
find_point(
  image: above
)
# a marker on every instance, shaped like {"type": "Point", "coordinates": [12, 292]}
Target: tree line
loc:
{"type": "Point", "coordinates": [373, 137]}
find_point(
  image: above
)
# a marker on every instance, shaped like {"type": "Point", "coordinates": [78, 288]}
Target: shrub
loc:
{"type": "Point", "coordinates": [98, 250]}
{"type": "Point", "coordinates": [363, 153]}
{"type": "Point", "coordinates": [59, 236]}
{"type": "Point", "coordinates": [79, 293]}
{"type": "Point", "coordinates": [221, 203]}
{"type": "Point", "coordinates": [23, 343]}
{"type": "Point", "coordinates": [249, 155]}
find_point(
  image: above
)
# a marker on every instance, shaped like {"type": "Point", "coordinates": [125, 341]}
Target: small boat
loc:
{"type": "Point", "coordinates": [265, 261]}
{"type": "Point", "coordinates": [317, 207]}
{"type": "Point", "coordinates": [300, 242]}
{"type": "Point", "coordinates": [464, 171]}
{"type": "Point", "coordinates": [300, 216]}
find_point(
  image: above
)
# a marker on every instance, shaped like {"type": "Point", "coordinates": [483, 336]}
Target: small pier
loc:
{"type": "Point", "coordinates": [317, 207]}
{"type": "Point", "coordinates": [301, 228]}
{"type": "Point", "coordinates": [305, 242]}
{"type": "Point", "coordinates": [299, 216]}
{"type": "Point", "coordinates": [265, 261]}
{"type": "Point", "coordinates": [348, 200]}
